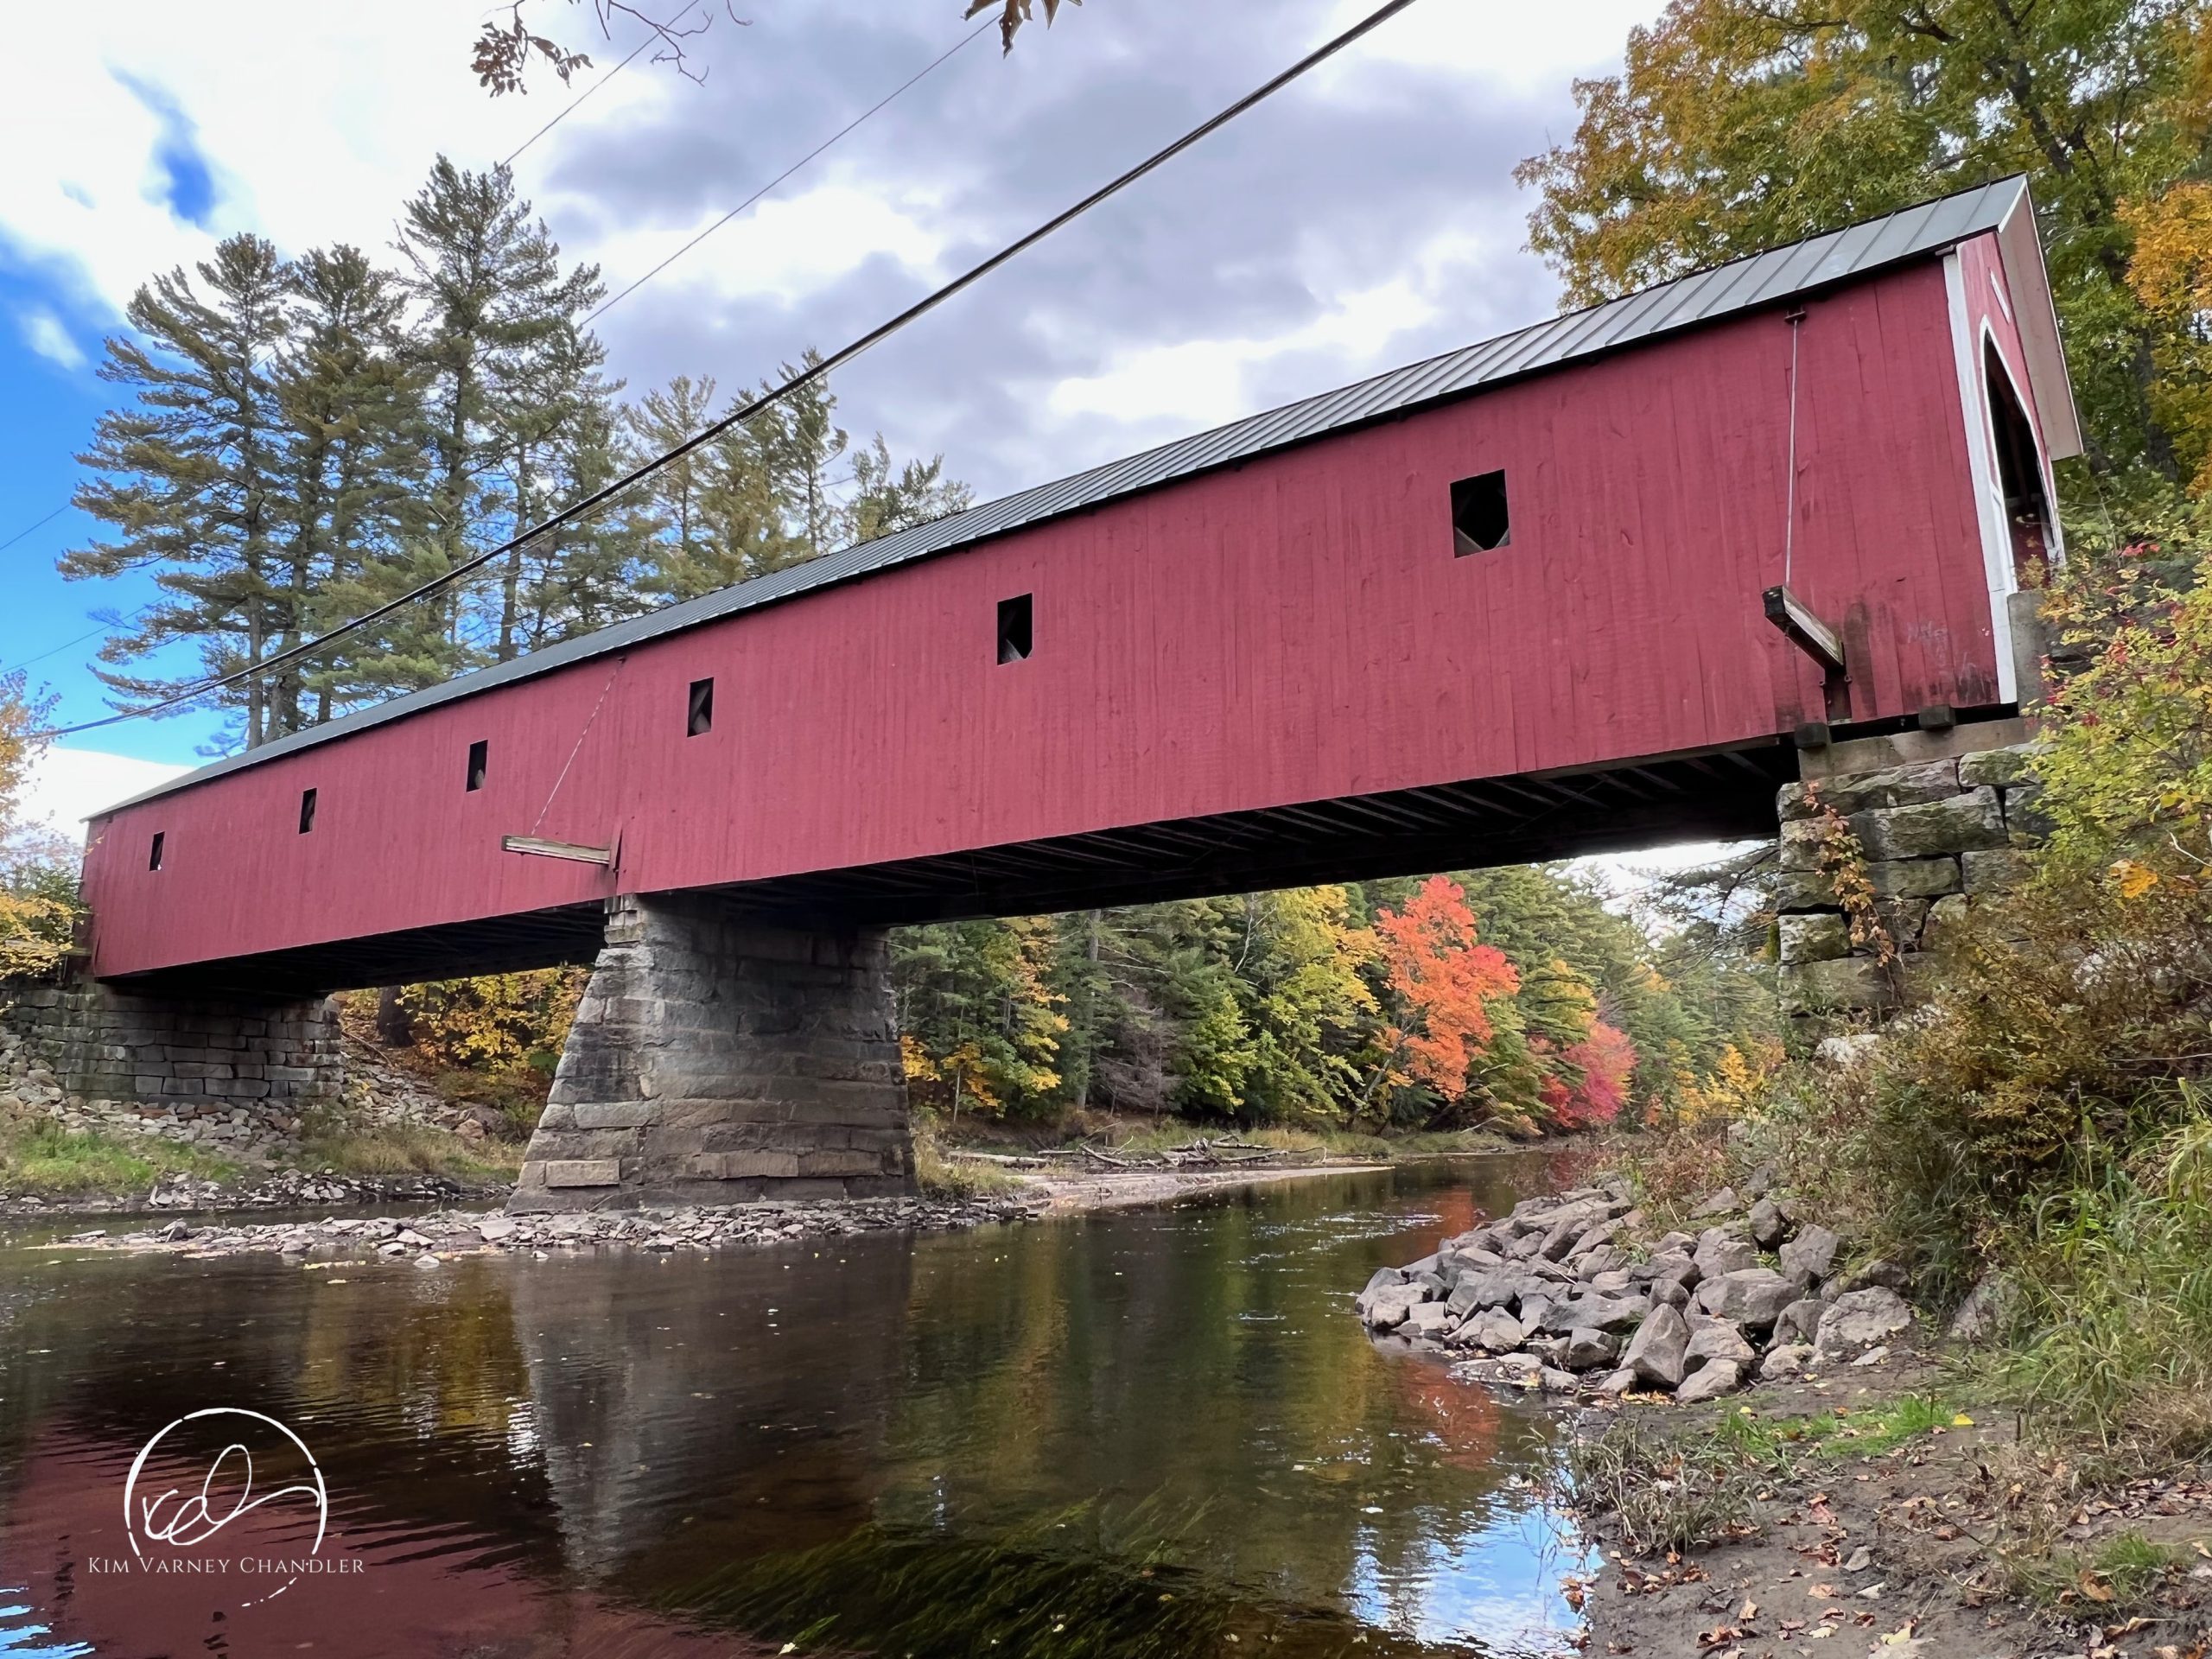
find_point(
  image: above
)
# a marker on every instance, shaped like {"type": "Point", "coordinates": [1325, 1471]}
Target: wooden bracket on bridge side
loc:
{"type": "Point", "coordinates": [537, 847]}
{"type": "Point", "coordinates": [1804, 629]}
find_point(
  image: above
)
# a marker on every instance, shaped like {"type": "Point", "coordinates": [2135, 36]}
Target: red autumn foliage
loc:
{"type": "Point", "coordinates": [1443, 976]}
{"type": "Point", "coordinates": [1605, 1058]}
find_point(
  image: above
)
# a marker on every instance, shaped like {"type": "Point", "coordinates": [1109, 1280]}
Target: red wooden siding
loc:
{"type": "Point", "coordinates": [1296, 629]}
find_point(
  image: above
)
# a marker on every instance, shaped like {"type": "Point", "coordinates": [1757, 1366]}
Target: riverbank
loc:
{"type": "Point", "coordinates": [1770, 1453]}
{"type": "Point", "coordinates": [1887, 1512]}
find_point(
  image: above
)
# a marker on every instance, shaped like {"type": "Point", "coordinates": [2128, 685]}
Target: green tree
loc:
{"type": "Point", "coordinates": [351, 407]}
{"type": "Point", "coordinates": [506, 360]}
{"type": "Point", "coordinates": [191, 477]}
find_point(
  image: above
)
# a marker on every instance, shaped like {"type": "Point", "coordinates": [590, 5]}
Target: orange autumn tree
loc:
{"type": "Point", "coordinates": [1442, 979]}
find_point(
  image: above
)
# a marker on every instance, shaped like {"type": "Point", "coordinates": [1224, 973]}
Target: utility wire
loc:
{"type": "Point", "coordinates": [27, 529]}
{"type": "Point", "coordinates": [873, 109]}
{"type": "Point", "coordinates": [858, 120]}
{"type": "Point", "coordinates": [806, 377]}
{"type": "Point", "coordinates": [655, 34]}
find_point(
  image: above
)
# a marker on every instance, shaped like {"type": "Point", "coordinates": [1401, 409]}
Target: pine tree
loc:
{"type": "Point", "coordinates": [504, 354]}
{"type": "Point", "coordinates": [355, 460]}
{"type": "Point", "coordinates": [195, 475]}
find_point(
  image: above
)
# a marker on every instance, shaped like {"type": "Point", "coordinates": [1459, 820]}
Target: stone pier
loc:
{"type": "Point", "coordinates": [226, 1072]}
{"type": "Point", "coordinates": [1944, 820]}
{"type": "Point", "coordinates": [716, 1060]}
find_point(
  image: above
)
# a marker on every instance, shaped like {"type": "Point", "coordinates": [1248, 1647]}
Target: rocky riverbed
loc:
{"type": "Point", "coordinates": [284, 1189]}
{"type": "Point", "coordinates": [1571, 1294]}
{"type": "Point", "coordinates": [429, 1240]}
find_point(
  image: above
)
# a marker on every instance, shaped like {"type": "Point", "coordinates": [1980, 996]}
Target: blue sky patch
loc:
{"type": "Point", "coordinates": [187, 182]}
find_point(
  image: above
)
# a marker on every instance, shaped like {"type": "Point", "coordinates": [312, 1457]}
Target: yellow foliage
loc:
{"type": "Point", "coordinates": [2171, 275]}
{"type": "Point", "coordinates": [495, 1022]}
{"type": "Point", "coordinates": [1736, 1087]}
{"type": "Point", "coordinates": [38, 900]}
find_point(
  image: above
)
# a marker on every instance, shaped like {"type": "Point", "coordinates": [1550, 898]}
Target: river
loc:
{"type": "Point", "coordinates": [1146, 1433]}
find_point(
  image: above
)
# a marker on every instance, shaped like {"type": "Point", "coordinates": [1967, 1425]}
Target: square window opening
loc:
{"type": "Point", "coordinates": [307, 811]}
{"type": "Point", "coordinates": [1015, 637]}
{"type": "Point", "coordinates": [700, 718]}
{"type": "Point", "coordinates": [479, 764]}
{"type": "Point", "coordinates": [1480, 521]}
{"type": "Point", "coordinates": [154, 853]}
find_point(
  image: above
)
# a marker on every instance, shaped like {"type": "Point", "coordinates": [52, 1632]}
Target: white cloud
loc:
{"type": "Point", "coordinates": [1200, 382]}
{"type": "Point", "coordinates": [1513, 49]}
{"type": "Point", "coordinates": [68, 785]}
{"type": "Point", "coordinates": [43, 334]}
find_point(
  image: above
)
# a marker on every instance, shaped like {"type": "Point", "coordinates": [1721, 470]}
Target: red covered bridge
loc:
{"type": "Point", "coordinates": [1502, 605]}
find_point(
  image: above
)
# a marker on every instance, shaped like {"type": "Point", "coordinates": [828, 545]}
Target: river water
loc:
{"type": "Point", "coordinates": [1156, 1432]}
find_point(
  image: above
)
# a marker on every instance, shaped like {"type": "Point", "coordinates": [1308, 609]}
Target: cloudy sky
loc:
{"type": "Point", "coordinates": [1366, 218]}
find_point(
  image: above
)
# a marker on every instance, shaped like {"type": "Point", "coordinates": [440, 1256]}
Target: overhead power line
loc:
{"type": "Point", "coordinates": [745, 413]}
{"type": "Point", "coordinates": [873, 109]}
{"type": "Point", "coordinates": [860, 119]}
{"type": "Point", "coordinates": [569, 108]}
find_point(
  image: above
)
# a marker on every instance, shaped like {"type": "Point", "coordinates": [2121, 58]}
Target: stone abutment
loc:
{"type": "Point", "coordinates": [235, 1076]}
{"type": "Point", "coordinates": [1937, 823]}
{"type": "Point", "coordinates": [716, 1060]}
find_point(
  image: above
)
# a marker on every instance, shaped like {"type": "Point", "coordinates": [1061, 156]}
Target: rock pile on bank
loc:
{"type": "Point", "coordinates": [1567, 1293]}
{"type": "Point", "coordinates": [429, 1240]}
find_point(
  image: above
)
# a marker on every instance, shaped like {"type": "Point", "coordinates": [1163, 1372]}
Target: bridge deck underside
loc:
{"type": "Point", "coordinates": [1719, 794]}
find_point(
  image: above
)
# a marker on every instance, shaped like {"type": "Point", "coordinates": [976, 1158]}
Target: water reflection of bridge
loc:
{"type": "Point", "coordinates": [538, 1457]}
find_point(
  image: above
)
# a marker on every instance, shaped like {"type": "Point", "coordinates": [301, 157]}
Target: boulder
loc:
{"type": "Point", "coordinates": [1669, 1294]}
{"type": "Point", "coordinates": [1535, 1310]}
{"type": "Point", "coordinates": [1384, 1279]}
{"type": "Point", "coordinates": [1586, 1350]}
{"type": "Point", "coordinates": [1718, 1257]}
{"type": "Point", "coordinates": [1752, 1297]}
{"type": "Point", "coordinates": [1655, 1354]}
{"type": "Point", "coordinates": [1878, 1274]}
{"type": "Point", "coordinates": [1494, 1329]}
{"type": "Point", "coordinates": [1723, 1203]}
{"type": "Point", "coordinates": [1812, 1253]}
{"type": "Point", "coordinates": [1386, 1308]}
{"type": "Point", "coordinates": [1568, 1226]}
{"type": "Point", "coordinates": [1859, 1319]}
{"type": "Point", "coordinates": [1770, 1226]}
{"type": "Point", "coordinates": [1786, 1361]}
{"type": "Point", "coordinates": [1432, 1285]}
{"type": "Point", "coordinates": [1601, 1263]}
{"type": "Point", "coordinates": [1710, 1382]}
{"type": "Point", "coordinates": [1554, 1381]}
{"type": "Point", "coordinates": [1426, 1319]}
{"type": "Point", "coordinates": [1616, 1283]}
{"type": "Point", "coordinates": [1983, 1311]}
{"type": "Point", "coordinates": [1620, 1382]}
{"type": "Point", "coordinates": [1677, 1241]}
{"type": "Point", "coordinates": [1717, 1340]}
{"type": "Point", "coordinates": [1498, 1287]}
{"type": "Point", "coordinates": [1594, 1238]}
{"type": "Point", "coordinates": [1614, 1313]}
{"type": "Point", "coordinates": [1799, 1321]}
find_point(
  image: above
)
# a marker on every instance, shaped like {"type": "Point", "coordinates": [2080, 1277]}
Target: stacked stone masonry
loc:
{"type": "Point", "coordinates": [717, 1060]}
{"type": "Point", "coordinates": [1938, 836]}
{"type": "Point", "coordinates": [242, 1076]}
